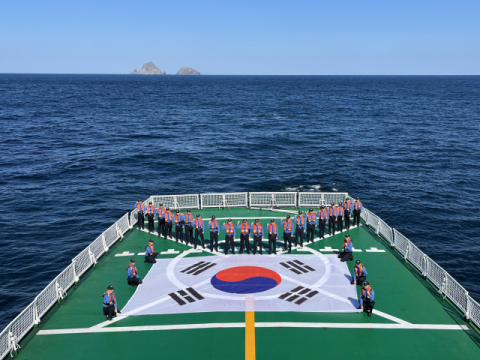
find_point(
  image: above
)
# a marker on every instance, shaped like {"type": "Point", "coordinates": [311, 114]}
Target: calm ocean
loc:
{"type": "Point", "coordinates": [78, 150]}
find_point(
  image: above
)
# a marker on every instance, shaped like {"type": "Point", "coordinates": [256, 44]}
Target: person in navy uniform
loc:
{"type": "Point", "coordinates": [357, 210]}
{"type": "Point", "coordinates": [348, 206]}
{"type": "Point", "coordinates": [322, 221]}
{"type": "Point", "coordinates": [288, 229]}
{"type": "Point", "coordinates": [346, 255]}
{"type": "Point", "coordinates": [272, 237]}
{"type": "Point", "coordinates": [359, 273]}
{"type": "Point", "coordinates": [367, 298]}
{"type": "Point", "coordinates": [141, 214]}
{"type": "Point", "coordinates": [151, 213]}
{"type": "Point", "coordinates": [132, 273]}
{"type": "Point", "coordinates": [229, 236]}
{"type": "Point", "coordinates": [311, 223]}
{"type": "Point", "coordinates": [340, 212]}
{"type": "Point", "coordinates": [199, 230]}
{"type": "Point", "coordinates": [257, 236]}
{"type": "Point", "coordinates": [168, 223]}
{"type": "Point", "coordinates": [110, 303]}
{"type": "Point", "coordinates": [300, 229]}
{"type": "Point", "coordinates": [161, 220]}
{"type": "Point", "coordinates": [244, 235]}
{"type": "Point", "coordinates": [189, 228]}
{"type": "Point", "coordinates": [150, 255]}
{"type": "Point", "coordinates": [332, 216]}
{"type": "Point", "coordinates": [179, 219]}
{"type": "Point", "coordinates": [213, 225]}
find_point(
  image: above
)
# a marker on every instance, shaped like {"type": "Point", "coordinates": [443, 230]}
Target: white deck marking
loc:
{"type": "Point", "coordinates": [389, 317]}
{"type": "Point", "coordinates": [328, 249]}
{"type": "Point", "coordinates": [374, 249]}
{"type": "Point", "coordinates": [257, 325]}
{"type": "Point", "coordinates": [170, 252]}
{"type": "Point", "coordinates": [142, 253]}
{"type": "Point", "coordinates": [125, 253]}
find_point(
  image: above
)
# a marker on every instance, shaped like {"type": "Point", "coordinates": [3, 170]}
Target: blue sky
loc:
{"type": "Point", "coordinates": [246, 37]}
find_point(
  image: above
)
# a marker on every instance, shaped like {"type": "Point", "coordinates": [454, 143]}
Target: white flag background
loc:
{"type": "Point", "coordinates": [309, 283]}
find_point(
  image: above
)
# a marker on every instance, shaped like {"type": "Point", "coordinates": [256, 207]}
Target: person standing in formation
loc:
{"type": "Point", "coordinates": [311, 223]}
{"type": "Point", "coordinates": [189, 227]}
{"type": "Point", "coordinates": [151, 213]}
{"type": "Point", "coordinates": [340, 217]}
{"type": "Point", "coordinates": [141, 214]}
{"type": "Point", "coordinates": [179, 223]}
{"type": "Point", "coordinates": [244, 235]}
{"type": "Point", "coordinates": [300, 230]}
{"type": "Point", "coordinates": [272, 237]}
{"type": "Point", "coordinates": [287, 233]}
{"type": "Point", "coordinates": [348, 206]}
{"type": "Point", "coordinates": [199, 230]}
{"type": "Point", "coordinates": [213, 225]}
{"type": "Point", "coordinates": [322, 222]}
{"type": "Point", "coordinates": [161, 220]}
{"type": "Point", "coordinates": [257, 236]}
{"type": "Point", "coordinates": [168, 223]}
{"type": "Point", "coordinates": [230, 236]}
{"type": "Point", "coordinates": [332, 217]}
{"type": "Point", "coordinates": [357, 210]}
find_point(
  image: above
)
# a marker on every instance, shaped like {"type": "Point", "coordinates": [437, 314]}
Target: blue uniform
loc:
{"type": "Point", "coordinates": [181, 222]}
{"type": "Point", "coordinates": [364, 272]}
{"type": "Point", "coordinates": [130, 271]}
{"type": "Point", "coordinates": [202, 227]}
{"type": "Point", "coordinates": [109, 298]}
{"type": "Point", "coordinates": [239, 226]}
{"type": "Point", "coordinates": [349, 247]}
{"type": "Point", "coordinates": [234, 232]}
{"type": "Point", "coordinates": [372, 297]}
{"type": "Point", "coordinates": [148, 251]}
{"type": "Point", "coordinates": [229, 243]}
{"type": "Point", "coordinates": [213, 227]}
{"type": "Point", "coordinates": [261, 232]}
{"type": "Point", "coordinates": [292, 230]}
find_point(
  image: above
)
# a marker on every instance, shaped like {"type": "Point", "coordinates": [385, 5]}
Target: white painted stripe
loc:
{"type": "Point", "coordinates": [389, 317]}
{"type": "Point", "coordinates": [257, 325]}
{"type": "Point", "coordinates": [374, 249]}
{"type": "Point", "coordinates": [249, 302]}
{"type": "Point", "coordinates": [125, 253]}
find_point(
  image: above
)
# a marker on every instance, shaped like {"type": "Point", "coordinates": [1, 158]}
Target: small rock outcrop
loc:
{"type": "Point", "coordinates": [187, 71]}
{"type": "Point", "coordinates": [148, 69]}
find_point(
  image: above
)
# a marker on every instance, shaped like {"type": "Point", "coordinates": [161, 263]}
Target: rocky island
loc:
{"type": "Point", "coordinates": [148, 69]}
{"type": "Point", "coordinates": [187, 71]}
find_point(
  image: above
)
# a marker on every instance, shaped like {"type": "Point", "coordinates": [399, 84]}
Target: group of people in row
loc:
{"type": "Point", "coordinates": [336, 216]}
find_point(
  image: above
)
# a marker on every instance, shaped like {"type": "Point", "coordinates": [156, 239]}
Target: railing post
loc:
{"type": "Point", "coordinates": [119, 232]}
{"type": "Point", "coordinates": [93, 260]}
{"type": "Point", "coordinates": [59, 291]}
{"type": "Point", "coordinates": [36, 318]}
{"type": "Point", "coordinates": [469, 305]}
{"type": "Point", "coordinates": [425, 266]}
{"type": "Point", "coordinates": [393, 238]}
{"type": "Point", "coordinates": [378, 227]}
{"type": "Point", "coordinates": [75, 277]}
{"type": "Point", "coordinates": [12, 343]}
{"type": "Point", "coordinates": [406, 252]}
{"type": "Point", "coordinates": [104, 242]}
{"type": "Point", "coordinates": [444, 284]}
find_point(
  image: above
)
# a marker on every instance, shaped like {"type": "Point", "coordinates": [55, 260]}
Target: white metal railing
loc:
{"type": "Point", "coordinates": [272, 199]}
{"type": "Point", "coordinates": [320, 198]}
{"type": "Point", "coordinates": [176, 201]}
{"type": "Point", "coordinates": [223, 200]}
{"type": "Point", "coordinates": [56, 290]}
{"type": "Point", "coordinates": [444, 282]}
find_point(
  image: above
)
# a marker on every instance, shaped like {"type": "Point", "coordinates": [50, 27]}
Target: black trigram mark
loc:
{"type": "Point", "coordinates": [297, 267]}
{"type": "Point", "coordinates": [198, 268]}
{"type": "Point", "coordinates": [300, 293]}
{"type": "Point", "coordinates": [181, 295]}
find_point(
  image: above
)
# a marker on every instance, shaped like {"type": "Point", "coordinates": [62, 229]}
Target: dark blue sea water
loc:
{"type": "Point", "coordinates": [76, 151]}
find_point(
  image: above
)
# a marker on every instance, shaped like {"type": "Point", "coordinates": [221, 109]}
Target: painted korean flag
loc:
{"type": "Point", "coordinates": [303, 283]}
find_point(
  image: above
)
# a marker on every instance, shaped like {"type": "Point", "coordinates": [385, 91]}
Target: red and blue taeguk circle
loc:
{"type": "Point", "coordinates": [245, 280]}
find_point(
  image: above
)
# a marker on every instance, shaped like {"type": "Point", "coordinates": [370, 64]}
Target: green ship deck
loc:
{"type": "Point", "coordinates": [411, 318]}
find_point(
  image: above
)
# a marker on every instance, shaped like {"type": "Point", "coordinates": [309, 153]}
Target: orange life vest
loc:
{"type": "Point", "coordinates": [161, 211]}
{"type": "Point", "coordinates": [357, 205]}
{"type": "Point", "coordinates": [151, 247]}
{"type": "Point", "coordinates": [229, 228]}
{"type": "Point", "coordinates": [348, 205]}
{"type": "Point", "coordinates": [333, 211]}
{"type": "Point", "coordinates": [212, 223]}
{"type": "Point", "coordinates": [244, 227]}
{"type": "Point", "coordinates": [178, 217]}
{"type": "Point", "coordinates": [111, 297]}
{"type": "Point", "coordinates": [257, 229]}
{"type": "Point", "coordinates": [199, 223]}
{"type": "Point", "coordinates": [287, 225]}
{"type": "Point", "coordinates": [134, 269]}
{"type": "Point", "coordinates": [168, 215]}
{"type": "Point", "coordinates": [274, 226]}
{"type": "Point", "coordinates": [358, 270]}
{"type": "Point", "coordinates": [140, 207]}
{"type": "Point", "coordinates": [300, 220]}
{"type": "Point", "coordinates": [340, 211]}
{"type": "Point", "coordinates": [366, 292]}
{"type": "Point", "coordinates": [346, 242]}
{"type": "Point", "coordinates": [311, 217]}
{"type": "Point", "coordinates": [188, 217]}
{"type": "Point", "coordinates": [151, 209]}
{"type": "Point", "coordinates": [323, 214]}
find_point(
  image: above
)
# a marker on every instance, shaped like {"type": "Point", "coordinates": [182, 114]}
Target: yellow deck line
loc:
{"type": "Point", "coordinates": [249, 335]}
